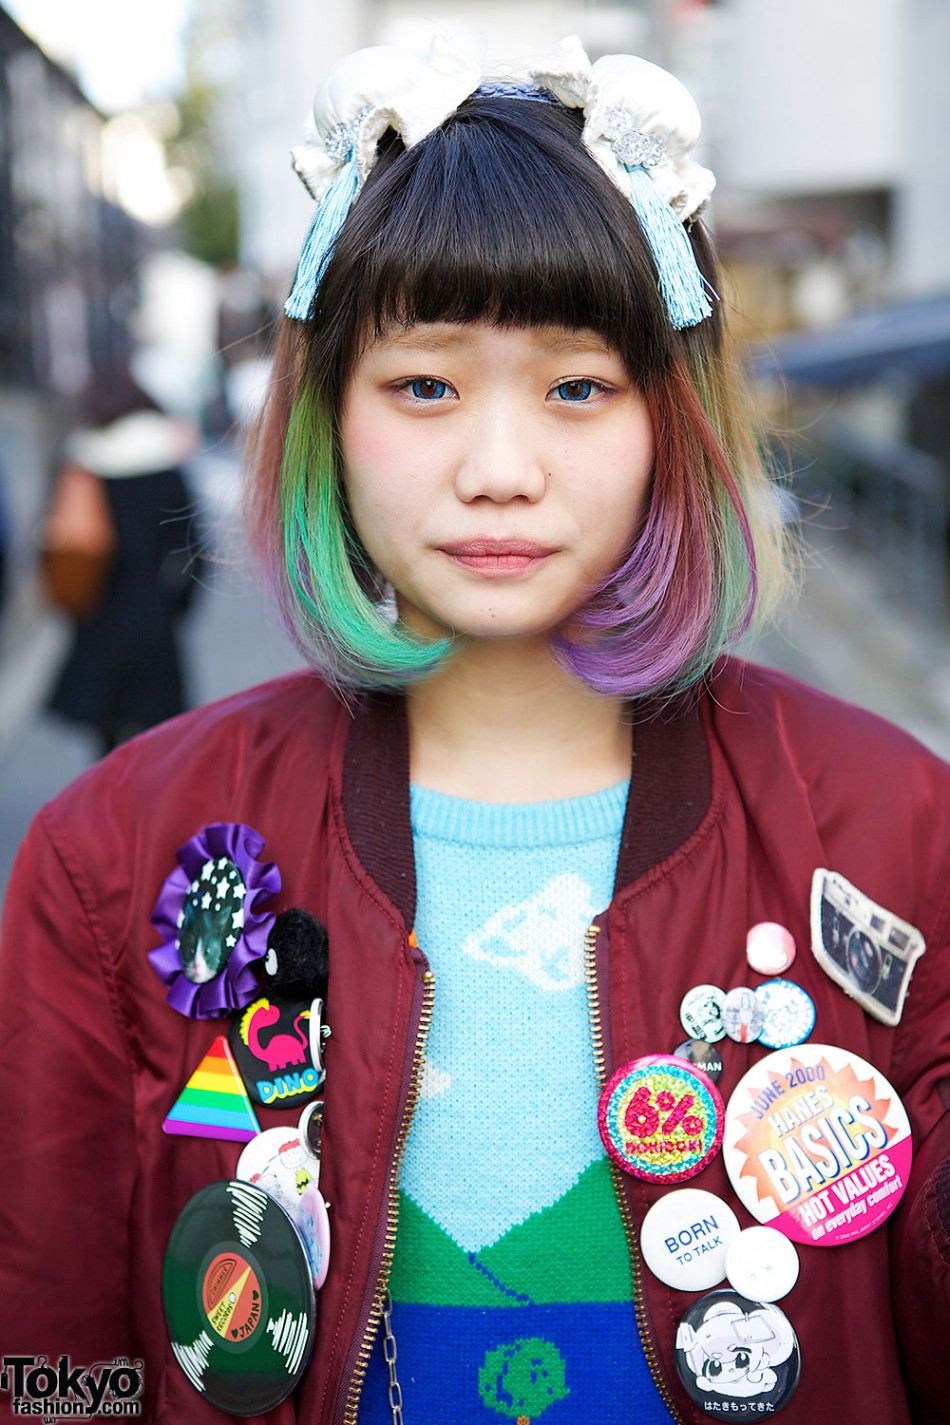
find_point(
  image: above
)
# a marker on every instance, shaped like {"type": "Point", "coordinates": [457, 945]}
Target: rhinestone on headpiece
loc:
{"type": "Point", "coordinates": [340, 141]}
{"type": "Point", "coordinates": [634, 147]}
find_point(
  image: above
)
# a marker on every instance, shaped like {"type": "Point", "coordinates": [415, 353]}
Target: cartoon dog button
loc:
{"type": "Point", "coordinates": [737, 1357]}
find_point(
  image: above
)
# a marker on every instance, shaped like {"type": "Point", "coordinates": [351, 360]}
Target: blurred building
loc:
{"type": "Point", "coordinates": [828, 121]}
{"type": "Point", "coordinates": [66, 249]}
{"type": "Point", "coordinates": [68, 253]}
{"type": "Point", "coordinates": [288, 48]}
{"type": "Point", "coordinates": [825, 123]}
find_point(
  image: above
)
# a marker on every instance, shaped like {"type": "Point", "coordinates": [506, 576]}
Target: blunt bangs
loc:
{"type": "Point", "coordinates": [500, 215]}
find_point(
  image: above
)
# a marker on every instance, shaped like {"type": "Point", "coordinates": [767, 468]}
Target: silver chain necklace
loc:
{"type": "Point", "coordinates": [389, 1354]}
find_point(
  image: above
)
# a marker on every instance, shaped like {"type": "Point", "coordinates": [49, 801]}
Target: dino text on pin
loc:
{"type": "Point", "coordinates": [272, 1042]}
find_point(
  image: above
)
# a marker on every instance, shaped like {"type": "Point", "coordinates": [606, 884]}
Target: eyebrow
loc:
{"type": "Point", "coordinates": [414, 338]}
{"type": "Point", "coordinates": [417, 338]}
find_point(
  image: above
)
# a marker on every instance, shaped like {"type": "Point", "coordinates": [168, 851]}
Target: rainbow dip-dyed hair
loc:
{"type": "Point", "coordinates": [502, 215]}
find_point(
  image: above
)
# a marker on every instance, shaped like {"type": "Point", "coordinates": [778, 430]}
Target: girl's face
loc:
{"type": "Point", "coordinates": [495, 475]}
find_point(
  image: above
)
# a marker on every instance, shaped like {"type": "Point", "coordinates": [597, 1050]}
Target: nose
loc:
{"type": "Point", "coordinates": [502, 459]}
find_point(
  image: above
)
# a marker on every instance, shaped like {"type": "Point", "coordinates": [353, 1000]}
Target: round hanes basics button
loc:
{"type": "Point", "coordinates": [684, 1238]}
{"type": "Point", "coordinates": [660, 1118]}
{"type": "Point", "coordinates": [817, 1144]}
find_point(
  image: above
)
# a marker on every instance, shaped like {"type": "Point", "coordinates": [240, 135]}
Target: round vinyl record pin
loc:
{"type": "Point", "coordinates": [660, 1118]}
{"type": "Point", "coordinates": [737, 1357]}
{"type": "Point", "coordinates": [239, 1300]}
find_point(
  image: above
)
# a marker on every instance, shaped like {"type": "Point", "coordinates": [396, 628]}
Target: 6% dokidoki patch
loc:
{"type": "Point", "coordinates": [660, 1118]}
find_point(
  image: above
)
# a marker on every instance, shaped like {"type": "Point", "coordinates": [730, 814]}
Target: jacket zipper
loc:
{"type": "Point", "coordinates": [600, 1071]}
{"type": "Point", "coordinates": [392, 1212]}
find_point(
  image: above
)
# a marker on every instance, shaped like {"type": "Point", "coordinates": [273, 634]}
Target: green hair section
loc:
{"type": "Point", "coordinates": [339, 625]}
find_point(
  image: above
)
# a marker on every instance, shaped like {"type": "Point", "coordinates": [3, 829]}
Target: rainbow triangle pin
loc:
{"type": "Point", "coordinates": [214, 1102]}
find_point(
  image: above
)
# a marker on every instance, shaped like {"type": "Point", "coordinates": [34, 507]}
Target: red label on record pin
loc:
{"type": "Point", "coordinates": [660, 1118]}
{"type": "Point", "coordinates": [231, 1296]}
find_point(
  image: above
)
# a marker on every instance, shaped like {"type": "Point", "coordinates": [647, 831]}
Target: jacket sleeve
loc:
{"type": "Point", "coordinates": [920, 1246]}
{"type": "Point", "coordinates": [920, 1233]}
{"type": "Point", "coordinates": [67, 1152]}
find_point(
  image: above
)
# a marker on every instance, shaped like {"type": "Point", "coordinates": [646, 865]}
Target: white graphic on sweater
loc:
{"type": "Point", "coordinates": [435, 1081]}
{"type": "Point", "coordinates": [542, 938]}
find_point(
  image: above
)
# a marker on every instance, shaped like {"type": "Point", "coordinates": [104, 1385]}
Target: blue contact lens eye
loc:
{"type": "Point", "coordinates": [426, 388]}
{"type": "Point", "coordinates": [575, 390]}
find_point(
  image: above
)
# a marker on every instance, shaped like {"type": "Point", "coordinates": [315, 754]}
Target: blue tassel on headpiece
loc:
{"type": "Point", "coordinates": [681, 282]}
{"type": "Point", "coordinates": [318, 246]}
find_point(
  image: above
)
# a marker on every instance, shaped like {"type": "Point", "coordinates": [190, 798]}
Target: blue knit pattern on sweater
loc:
{"type": "Point", "coordinates": [511, 1282]}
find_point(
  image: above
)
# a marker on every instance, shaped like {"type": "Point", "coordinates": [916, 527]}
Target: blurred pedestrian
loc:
{"type": "Point", "coordinates": [123, 671]}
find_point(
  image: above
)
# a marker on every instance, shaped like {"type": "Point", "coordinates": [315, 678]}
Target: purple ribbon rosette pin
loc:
{"type": "Point", "coordinates": [208, 915]}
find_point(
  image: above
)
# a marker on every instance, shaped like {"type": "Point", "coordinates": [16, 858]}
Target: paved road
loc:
{"type": "Point", "coordinates": [843, 638]}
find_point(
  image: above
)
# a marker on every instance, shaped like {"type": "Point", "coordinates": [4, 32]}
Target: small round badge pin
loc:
{"type": "Point", "coordinates": [737, 1357]}
{"type": "Point", "coordinates": [661, 1118]}
{"type": "Point", "coordinates": [701, 1013]}
{"type": "Point", "coordinates": [704, 1055]}
{"type": "Point", "coordinates": [770, 948]}
{"type": "Point", "coordinates": [788, 1014]}
{"type": "Point", "coordinates": [685, 1237]}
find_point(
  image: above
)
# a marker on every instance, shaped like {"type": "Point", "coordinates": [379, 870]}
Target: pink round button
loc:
{"type": "Point", "coordinates": [770, 948]}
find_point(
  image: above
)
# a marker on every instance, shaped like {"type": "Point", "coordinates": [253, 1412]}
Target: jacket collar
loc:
{"type": "Point", "coordinates": [670, 791]}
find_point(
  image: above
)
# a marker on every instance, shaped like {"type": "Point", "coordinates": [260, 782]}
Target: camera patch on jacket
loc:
{"type": "Point", "coordinates": [867, 950]}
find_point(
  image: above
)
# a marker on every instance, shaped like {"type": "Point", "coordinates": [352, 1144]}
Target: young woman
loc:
{"type": "Point", "coordinates": [507, 490]}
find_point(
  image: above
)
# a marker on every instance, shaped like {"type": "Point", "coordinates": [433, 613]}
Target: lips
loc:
{"type": "Point", "coordinates": [497, 556]}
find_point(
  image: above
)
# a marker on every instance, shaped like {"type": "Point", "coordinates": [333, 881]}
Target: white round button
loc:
{"type": "Point", "coordinates": [762, 1264]}
{"type": "Point", "coordinates": [788, 1014]}
{"type": "Point", "coordinates": [701, 1013]}
{"type": "Point", "coordinates": [770, 948]}
{"type": "Point", "coordinates": [742, 1014]}
{"type": "Point", "coordinates": [684, 1238]}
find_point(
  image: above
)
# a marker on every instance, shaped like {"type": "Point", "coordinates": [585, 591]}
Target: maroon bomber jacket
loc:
{"type": "Point", "coordinates": [735, 800]}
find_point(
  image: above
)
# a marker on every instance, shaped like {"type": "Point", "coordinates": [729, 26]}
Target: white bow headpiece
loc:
{"type": "Point", "coordinates": [640, 124]}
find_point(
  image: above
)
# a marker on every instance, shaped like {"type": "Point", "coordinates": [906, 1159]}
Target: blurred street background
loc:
{"type": "Point", "coordinates": [149, 217]}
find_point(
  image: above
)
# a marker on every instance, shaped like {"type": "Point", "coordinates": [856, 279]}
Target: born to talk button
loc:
{"type": "Point", "coordinates": [685, 1236]}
